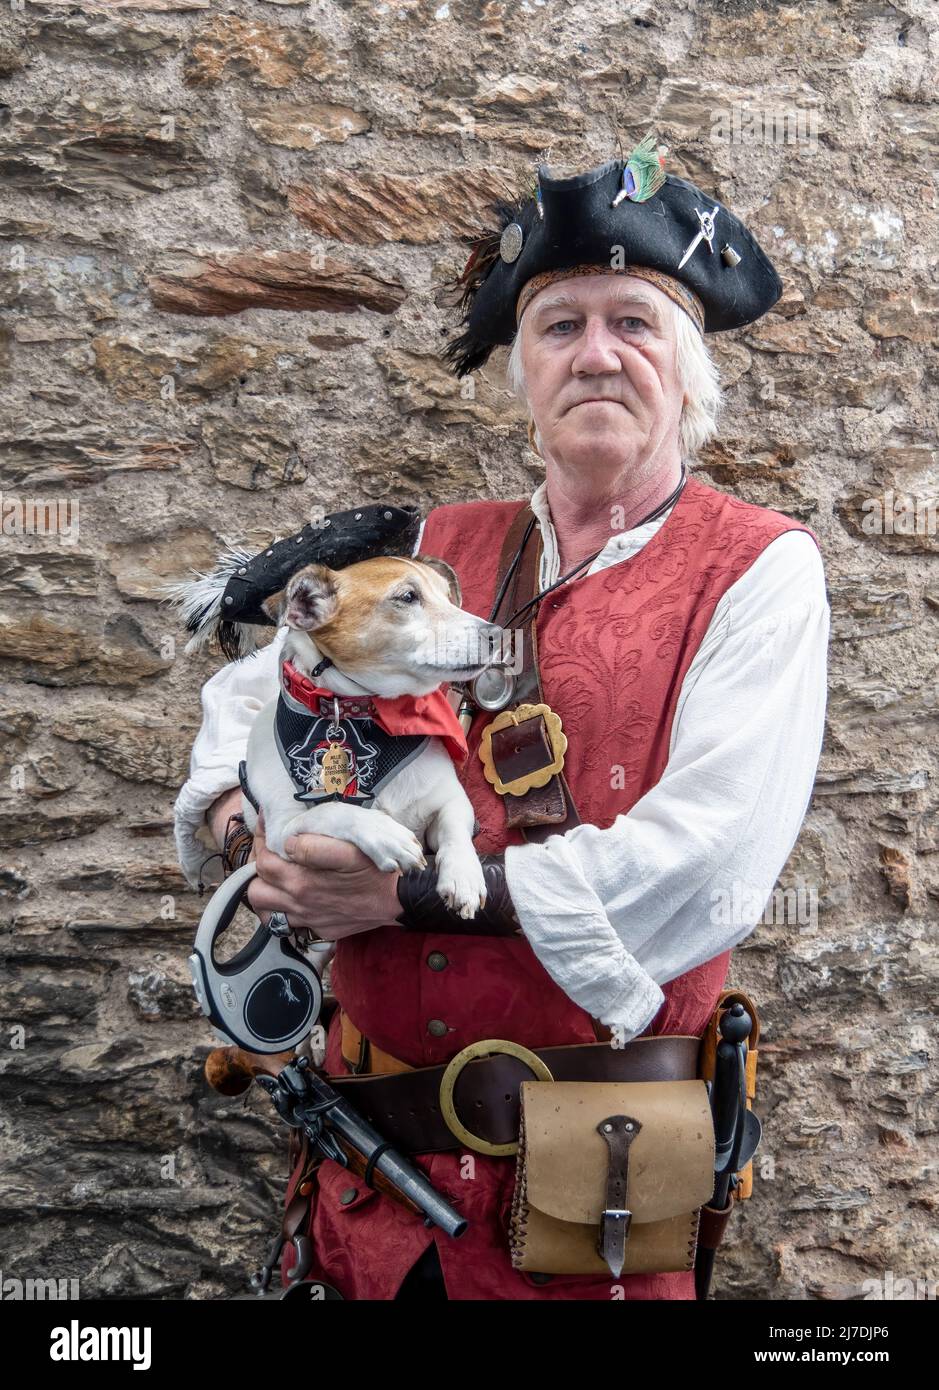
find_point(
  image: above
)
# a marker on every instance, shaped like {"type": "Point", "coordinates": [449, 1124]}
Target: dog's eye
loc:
{"type": "Point", "coordinates": [409, 596]}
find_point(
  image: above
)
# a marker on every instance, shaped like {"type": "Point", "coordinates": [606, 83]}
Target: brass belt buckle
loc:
{"type": "Point", "coordinates": [541, 776]}
{"type": "Point", "coordinates": [456, 1064]}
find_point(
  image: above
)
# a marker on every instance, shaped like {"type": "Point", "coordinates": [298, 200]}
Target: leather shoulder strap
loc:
{"type": "Point", "coordinates": [523, 586]}
{"type": "Point", "coordinates": [548, 810]}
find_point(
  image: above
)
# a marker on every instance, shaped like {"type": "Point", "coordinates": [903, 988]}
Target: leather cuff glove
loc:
{"type": "Point", "coordinates": [423, 909]}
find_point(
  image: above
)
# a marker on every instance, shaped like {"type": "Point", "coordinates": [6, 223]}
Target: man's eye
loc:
{"type": "Point", "coordinates": [409, 596]}
{"type": "Point", "coordinates": [634, 324]}
{"type": "Point", "coordinates": [561, 323]}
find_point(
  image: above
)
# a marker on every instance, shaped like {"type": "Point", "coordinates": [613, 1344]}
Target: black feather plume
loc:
{"type": "Point", "coordinates": [466, 352]}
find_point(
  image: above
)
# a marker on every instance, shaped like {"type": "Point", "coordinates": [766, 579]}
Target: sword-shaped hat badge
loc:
{"type": "Point", "coordinates": [705, 233]}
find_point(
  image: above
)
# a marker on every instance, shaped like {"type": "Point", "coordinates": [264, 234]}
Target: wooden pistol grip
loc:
{"type": "Point", "coordinates": [231, 1070]}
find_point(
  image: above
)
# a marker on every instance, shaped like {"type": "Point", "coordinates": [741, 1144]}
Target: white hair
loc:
{"type": "Point", "coordinates": [697, 373]}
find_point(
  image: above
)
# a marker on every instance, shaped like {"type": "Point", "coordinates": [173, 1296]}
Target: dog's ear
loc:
{"type": "Point", "coordinates": [274, 606]}
{"type": "Point", "coordinates": [310, 599]}
{"type": "Point", "coordinates": [449, 574]}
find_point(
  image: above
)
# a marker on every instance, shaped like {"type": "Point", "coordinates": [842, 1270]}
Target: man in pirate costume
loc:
{"type": "Point", "coordinates": [678, 646]}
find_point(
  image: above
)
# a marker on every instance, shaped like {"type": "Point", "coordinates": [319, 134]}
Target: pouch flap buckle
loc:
{"type": "Point", "coordinates": [619, 1131]}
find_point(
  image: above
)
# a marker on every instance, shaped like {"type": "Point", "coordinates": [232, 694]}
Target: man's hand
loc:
{"type": "Point", "coordinates": [330, 888]}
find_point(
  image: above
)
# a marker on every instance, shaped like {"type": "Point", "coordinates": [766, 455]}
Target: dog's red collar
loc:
{"type": "Point", "coordinates": [320, 700]}
{"type": "Point", "coordinates": [405, 714]}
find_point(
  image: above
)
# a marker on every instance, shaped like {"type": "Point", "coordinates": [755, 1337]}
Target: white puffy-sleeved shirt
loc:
{"type": "Point", "coordinates": [612, 914]}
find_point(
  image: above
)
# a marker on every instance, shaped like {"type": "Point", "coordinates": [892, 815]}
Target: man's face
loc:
{"type": "Point", "coordinates": [598, 355]}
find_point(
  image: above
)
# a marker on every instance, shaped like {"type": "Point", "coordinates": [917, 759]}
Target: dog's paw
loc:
{"type": "Point", "coordinates": [462, 886]}
{"type": "Point", "coordinates": [274, 841]}
{"type": "Point", "coordinates": [393, 846]}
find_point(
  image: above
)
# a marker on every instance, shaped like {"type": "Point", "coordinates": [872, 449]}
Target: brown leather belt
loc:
{"type": "Point", "coordinates": [407, 1108]}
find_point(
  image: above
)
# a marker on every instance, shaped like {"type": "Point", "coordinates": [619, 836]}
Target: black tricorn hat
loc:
{"type": "Point", "coordinates": [624, 212]}
{"type": "Point", "coordinates": [226, 604]}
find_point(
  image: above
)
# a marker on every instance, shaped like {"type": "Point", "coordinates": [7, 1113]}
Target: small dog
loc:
{"type": "Point", "coordinates": [387, 627]}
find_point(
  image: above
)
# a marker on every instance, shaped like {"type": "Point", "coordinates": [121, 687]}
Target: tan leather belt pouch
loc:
{"type": "Point", "coordinates": [561, 1187]}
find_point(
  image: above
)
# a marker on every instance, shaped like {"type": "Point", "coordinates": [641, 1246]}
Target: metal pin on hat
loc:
{"type": "Point", "coordinates": [705, 233]}
{"type": "Point", "coordinates": [510, 244]}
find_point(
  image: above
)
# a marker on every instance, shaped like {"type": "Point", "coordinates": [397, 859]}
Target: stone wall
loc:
{"type": "Point", "coordinates": [224, 235]}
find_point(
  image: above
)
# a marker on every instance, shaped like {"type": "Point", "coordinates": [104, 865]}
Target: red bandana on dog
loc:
{"type": "Point", "coordinates": [405, 714]}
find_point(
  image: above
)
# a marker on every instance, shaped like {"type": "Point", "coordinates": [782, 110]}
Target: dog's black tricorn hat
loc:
{"type": "Point", "coordinates": [226, 604]}
{"type": "Point", "coordinates": [623, 212]}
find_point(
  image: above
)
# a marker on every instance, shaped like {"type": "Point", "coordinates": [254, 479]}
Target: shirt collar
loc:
{"type": "Point", "coordinates": [622, 545]}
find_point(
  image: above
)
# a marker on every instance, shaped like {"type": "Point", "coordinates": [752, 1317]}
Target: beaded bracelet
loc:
{"type": "Point", "coordinates": [239, 841]}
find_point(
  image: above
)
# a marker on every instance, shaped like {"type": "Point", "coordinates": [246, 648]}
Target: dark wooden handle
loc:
{"type": "Point", "coordinates": [231, 1070]}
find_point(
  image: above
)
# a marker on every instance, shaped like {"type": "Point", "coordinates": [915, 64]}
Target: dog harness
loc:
{"type": "Point", "coordinates": [347, 748]}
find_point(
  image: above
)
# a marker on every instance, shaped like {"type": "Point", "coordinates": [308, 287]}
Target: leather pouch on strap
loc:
{"type": "Point", "coordinates": [515, 752]}
{"type": "Point", "coordinates": [521, 748]}
{"type": "Point", "coordinates": [567, 1170]}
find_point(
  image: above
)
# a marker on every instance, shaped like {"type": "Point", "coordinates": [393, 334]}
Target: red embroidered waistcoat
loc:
{"type": "Point", "coordinates": [613, 648]}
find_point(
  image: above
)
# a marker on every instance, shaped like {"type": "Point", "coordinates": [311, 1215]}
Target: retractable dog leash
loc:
{"type": "Point", "coordinates": [268, 996]}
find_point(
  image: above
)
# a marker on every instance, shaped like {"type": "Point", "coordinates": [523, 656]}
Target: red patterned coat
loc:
{"type": "Point", "coordinates": [614, 648]}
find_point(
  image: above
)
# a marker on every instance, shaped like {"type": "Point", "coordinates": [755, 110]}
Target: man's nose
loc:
{"type": "Point", "coordinates": [596, 353]}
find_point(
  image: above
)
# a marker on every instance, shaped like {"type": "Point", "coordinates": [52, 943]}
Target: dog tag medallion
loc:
{"type": "Point", "coordinates": [337, 768]}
